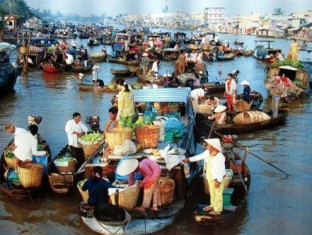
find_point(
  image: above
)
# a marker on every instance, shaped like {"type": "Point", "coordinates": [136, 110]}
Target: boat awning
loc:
{"type": "Point", "coordinates": [163, 95]}
{"type": "Point", "coordinates": [288, 67]}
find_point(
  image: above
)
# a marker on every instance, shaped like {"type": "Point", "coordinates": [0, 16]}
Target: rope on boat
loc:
{"type": "Point", "coordinates": [242, 147]}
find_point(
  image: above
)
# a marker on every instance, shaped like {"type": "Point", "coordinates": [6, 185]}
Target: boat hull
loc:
{"type": "Point", "coordinates": [8, 77]}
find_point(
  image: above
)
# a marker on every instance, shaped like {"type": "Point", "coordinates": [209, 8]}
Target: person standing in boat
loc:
{"type": "Point", "coordinates": [151, 173]}
{"type": "Point", "coordinates": [97, 188]}
{"type": "Point", "coordinates": [246, 91]}
{"type": "Point", "coordinates": [95, 76]}
{"type": "Point", "coordinates": [126, 110]}
{"type": "Point", "coordinates": [214, 169]}
{"type": "Point", "coordinates": [230, 91]}
{"type": "Point", "coordinates": [219, 78]}
{"type": "Point", "coordinates": [294, 50]}
{"type": "Point", "coordinates": [76, 129]}
{"type": "Point", "coordinates": [145, 63]}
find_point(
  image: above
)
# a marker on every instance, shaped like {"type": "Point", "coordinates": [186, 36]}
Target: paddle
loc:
{"type": "Point", "coordinates": [237, 169]}
{"type": "Point", "coordinates": [242, 147]}
{"type": "Point", "coordinates": [96, 152]}
{"type": "Point", "coordinates": [134, 71]}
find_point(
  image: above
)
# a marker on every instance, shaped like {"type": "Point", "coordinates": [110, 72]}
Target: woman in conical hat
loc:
{"type": "Point", "coordinates": [151, 172]}
{"type": "Point", "coordinates": [215, 173]}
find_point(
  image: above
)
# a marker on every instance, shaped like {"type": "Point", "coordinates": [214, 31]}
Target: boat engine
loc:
{"type": "Point", "coordinates": [93, 122]}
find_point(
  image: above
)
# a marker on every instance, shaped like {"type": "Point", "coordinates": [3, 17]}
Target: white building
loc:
{"type": "Point", "coordinates": [214, 16]}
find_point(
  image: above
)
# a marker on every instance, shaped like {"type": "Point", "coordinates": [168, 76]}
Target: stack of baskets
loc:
{"type": "Point", "coordinates": [148, 136]}
{"type": "Point", "coordinates": [166, 189]}
{"type": "Point", "coordinates": [9, 157]}
{"type": "Point", "coordinates": [61, 183]}
{"type": "Point", "coordinates": [118, 136]}
{"type": "Point", "coordinates": [30, 174]}
{"type": "Point", "coordinates": [127, 198]}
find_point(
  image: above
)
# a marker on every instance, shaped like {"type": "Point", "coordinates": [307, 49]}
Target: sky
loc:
{"type": "Point", "coordinates": [115, 7]}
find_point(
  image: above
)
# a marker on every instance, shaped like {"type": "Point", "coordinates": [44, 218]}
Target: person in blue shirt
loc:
{"type": "Point", "coordinates": [246, 91]}
{"type": "Point", "coordinates": [219, 79]}
{"type": "Point", "coordinates": [97, 188]}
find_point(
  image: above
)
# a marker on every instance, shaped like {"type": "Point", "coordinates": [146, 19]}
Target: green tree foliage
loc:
{"type": "Point", "coordinates": [16, 7]}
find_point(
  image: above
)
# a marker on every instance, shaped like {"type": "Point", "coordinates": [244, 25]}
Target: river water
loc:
{"type": "Point", "coordinates": [276, 205]}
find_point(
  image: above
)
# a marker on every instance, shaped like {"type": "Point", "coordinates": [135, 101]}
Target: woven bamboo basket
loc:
{"type": "Point", "coordinates": [84, 194]}
{"type": "Point", "coordinates": [248, 117]}
{"type": "Point", "coordinates": [118, 136]}
{"type": "Point", "coordinates": [241, 106]}
{"type": "Point", "coordinates": [148, 136]}
{"type": "Point", "coordinates": [90, 148]}
{"type": "Point", "coordinates": [166, 189]}
{"type": "Point", "coordinates": [11, 162]}
{"type": "Point", "coordinates": [30, 174]}
{"type": "Point", "coordinates": [71, 168]}
{"type": "Point", "coordinates": [23, 50]}
{"type": "Point", "coordinates": [126, 199]}
{"type": "Point", "coordinates": [205, 109]}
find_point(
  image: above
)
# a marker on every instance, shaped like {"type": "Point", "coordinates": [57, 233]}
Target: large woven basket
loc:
{"type": "Point", "coordinates": [84, 194]}
{"type": "Point", "coordinates": [11, 162]}
{"type": "Point", "coordinates": [71, 168]}
{"type": "Point", "coordinates": [148, 136]}
{"type": "Point", "coordinates": [90, 148]}
{"type": "Point", "coordinates": [166, 189]}
{"type": "Point", "coordinates": [126, 199]}
{"type": "Point", "coordinates": [30, 174]}
{"type": "Point", "coordinates": [248, 117]}
{"type": "Point", "coordinates": [118, 136]}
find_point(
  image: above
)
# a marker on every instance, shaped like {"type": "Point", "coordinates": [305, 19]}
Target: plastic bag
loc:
{"type": "Point", "coordinates": [175, 126]}
{"type": "Point", "coordinates": [127, 148]}
{"type": "Point", "coordinates": [150, 116]}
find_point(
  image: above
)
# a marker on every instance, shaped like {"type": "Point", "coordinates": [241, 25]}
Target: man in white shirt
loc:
{"type": "Point", "coordinates": [26, 143]}
{"type": "Point", "coordinates": [155, 66]}
{"type": "Point", "coordinates": [75, 129]}
{"type": "Point", "coordinates": [197, 95]}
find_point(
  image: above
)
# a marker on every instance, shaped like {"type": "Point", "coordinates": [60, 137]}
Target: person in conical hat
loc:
{"type": "Point", "coordinates": [151, 173]}
{"type": "Point", "coordinates": [220, 114]}
{"type": "Point", "coordinates": [214, 168]}
{"type": "Point", "coordinates": [246, 91]}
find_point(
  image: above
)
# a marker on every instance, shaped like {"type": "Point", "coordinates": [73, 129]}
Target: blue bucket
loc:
{"type": "Point", "coordinates": [43, 160]}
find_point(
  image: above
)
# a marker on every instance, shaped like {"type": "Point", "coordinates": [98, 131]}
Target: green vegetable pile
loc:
{"type": "Point", "coordinates": [64, 158]}
{"type": "Point", "coordinates": [8, 152]}
{"type": "Point", "coordinates": [296, 64]}
{"type": "Point", "coordinates": [92, 137]}
{"type": "Point", "coordinates": [40, 147]}
{"type": "Point", "coordinates": [150, 116]}
{"type": "Point", "coordinates": [140, 122]}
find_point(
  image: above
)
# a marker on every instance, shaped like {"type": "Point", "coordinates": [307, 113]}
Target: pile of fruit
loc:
{"type": "Point", "coordinates": [92, 137]}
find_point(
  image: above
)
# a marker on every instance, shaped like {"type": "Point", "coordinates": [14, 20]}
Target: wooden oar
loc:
{"type": "Point", "coordinates": [96, 152]}
{"type": "Point", "coordinates": [242, 147]}
{"type": "Point", "coordinates": [135, 70]}
{"type": "Point", "coordinates": [240, 175]}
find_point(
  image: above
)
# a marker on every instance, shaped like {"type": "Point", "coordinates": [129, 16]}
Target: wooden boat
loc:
{"type": "Point", "coordinates": [148, 78]}
{"type": "Point", "coordinates": [8, 77]}
{"type": "Point", "coordinates": [234, 197]}
{"type": "Point", "coordinates": [16, 190]}
{"type": "Point", "coordinates": [264, 51]}
{"type": "Point", "coordinates": [93, 42]}
{"type": "Point", "coordinates": [122, 60]}
{"type": "Point", "coordinates": [255, 98]}
{"type": "Point", "coordinates": [81, 68]}
{"type": "Point", "coordinates": [92, 87]}
{"type": "Point", "coordinates": [60, 183]}
{"type": "Point", "coordinates": [215, 88]}
{"type": "Point", "coordinates": [204, 125]}
{"type": "Point", "coordinates": [148, 221]}
{"type": "Point", "coordinates": [107, 224]}
{"type": "Point", "coordinates": [98, 57]}
{"type": "Point", "coordinates": [298, 76]}
{"type": "Point", "coordinates": [121, 72]}
{"type": "Point", "coordinates": [237, 42]}
{"type": "Point", "coordinates": [52, 68]}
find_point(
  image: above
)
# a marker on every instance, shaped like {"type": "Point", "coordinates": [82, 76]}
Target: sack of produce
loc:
{"type": "Point", "coordinates": [249, 117]}
{"type": "Point", "coordinates": [90, 142]}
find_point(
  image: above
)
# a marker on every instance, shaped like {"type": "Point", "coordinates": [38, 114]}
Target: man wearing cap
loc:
{"type": "Point", "coordinates": [76, 129]}
{"type": "Point", "coordinates": [230, 91]}
{"type": "Point", "coordinates": [151, 172]}
{"type": "Point", "coordinates": [214, 168]}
